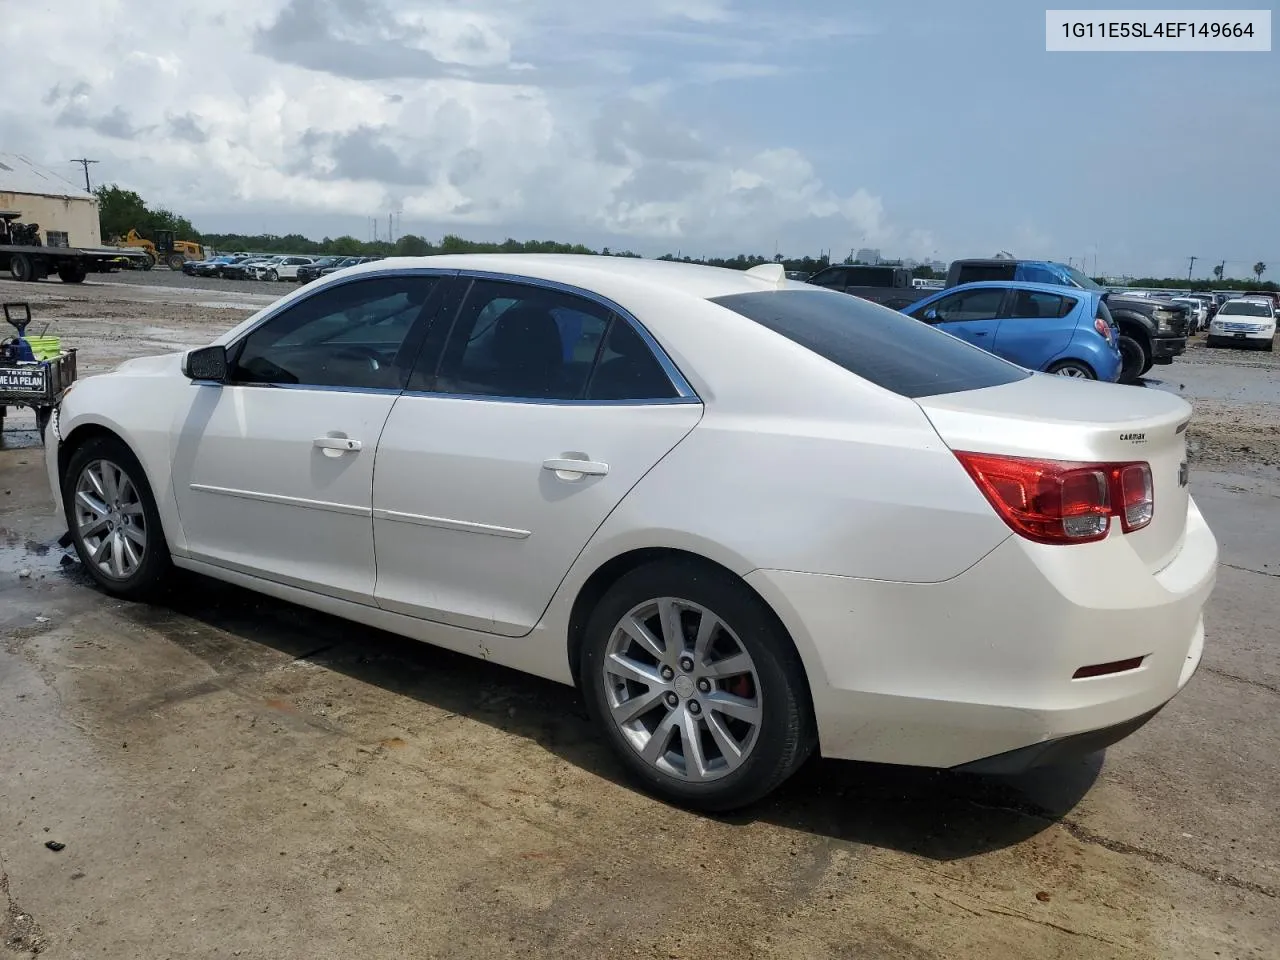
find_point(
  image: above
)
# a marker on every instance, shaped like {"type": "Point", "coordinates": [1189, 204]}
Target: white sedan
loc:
{"type": "Point", "coordinates": [1244, 322]}
{"type": "Point", "coordinates": [749, 517]}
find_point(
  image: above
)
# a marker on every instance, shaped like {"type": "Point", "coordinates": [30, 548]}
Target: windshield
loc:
{"type": "Point", "coordinates": [1079, 278]}
{"type": "Point", "coordinates": [1244, 308]}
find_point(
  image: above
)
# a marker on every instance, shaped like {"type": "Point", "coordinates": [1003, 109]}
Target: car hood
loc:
{"type": "Point", "coordinates": [162, 365]}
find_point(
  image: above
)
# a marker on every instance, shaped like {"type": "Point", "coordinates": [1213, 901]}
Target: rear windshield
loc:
{"type": "Point", "coordinates": [878, 344]}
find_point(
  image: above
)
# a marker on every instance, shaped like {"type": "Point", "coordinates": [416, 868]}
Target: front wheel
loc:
{"type": "Point", "coordinates": [113, 519]}
{"type": "Point", "coordinates": [272, 276]}
{"type": "Point", "coordinates": [1073, 368]}
{"type": "Point", "coordinates": [696, 686]}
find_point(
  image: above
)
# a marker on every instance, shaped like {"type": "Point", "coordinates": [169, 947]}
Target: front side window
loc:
{"type": "Point", "coordinates": [353, 335]}
{"type": "Point", "coordinates": [982, 304]}
{"type": "Point", "coordinates": [833, 277]}
{"type": "Point", "coordinates": [520, 341]}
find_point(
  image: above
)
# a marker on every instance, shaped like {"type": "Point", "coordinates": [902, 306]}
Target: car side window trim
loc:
{"type": "Point", "coordinates": [685, 392]}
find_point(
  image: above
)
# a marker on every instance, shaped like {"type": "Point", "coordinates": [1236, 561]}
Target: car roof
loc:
{"type": "Point", "coordinates": [1034, 286]}
{"type": "Point", "coordinates": [613, 277]}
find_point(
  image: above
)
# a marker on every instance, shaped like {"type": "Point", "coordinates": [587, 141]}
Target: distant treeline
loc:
{"type": "Point", "coordinates": [120, 210]}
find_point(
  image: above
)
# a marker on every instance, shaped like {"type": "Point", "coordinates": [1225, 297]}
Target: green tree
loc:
{"type": "Point", "coordinates": [411, 245]}
{"type": "Point", "coordinates": [1217, 272]}
{"type": "Point", "coordinates": [1259, 269]}
{"type": "Point", "coordinates": [120, 211]}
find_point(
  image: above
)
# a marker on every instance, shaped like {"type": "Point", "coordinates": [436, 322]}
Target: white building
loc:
{"type": "Point", "coordinates": [867, 255]}
{"type": "Point", "coordinates": [67, 215]}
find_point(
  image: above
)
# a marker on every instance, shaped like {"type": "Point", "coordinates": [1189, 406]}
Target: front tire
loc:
{"type": "Point", "coordinates": [696, 686]}
{"type": "Point", "coordinates": [272, 276]}
{"type": "Point", "coordinates": [115, 526]}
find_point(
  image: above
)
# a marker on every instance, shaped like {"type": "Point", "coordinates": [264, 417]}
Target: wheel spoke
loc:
{"type": "Point", "coordinates": [732, 706]}
{"type": "Point", "coordinates": [135, 535]}
{"type": "Point", "coordinates": [131, 555]}
{"type": "Point", "coordinates": [707, 625]}
{"type": "Point", "coordinates": [637, 706]}
{"type": "Point", "coordinates": [110, 482]}
{"type": "Point", "coordinates": [732, 666]}
{"type": "Point", "coordinates": [92, 503]}
{"type": "Point", "coordinates": [729, 748]}
{"type": "Point", "coordinates": [661, 737]}
{"type": "Point", "coordinates": [642, 635]}
{"type": "Point", "coordinates": [95, 481]}
{"type": "Point", "coordinates": [127, 493]}
{"type": "Point", "coordinates": [695, 764]}
{"type": "Point", "coordinates": [672, 635]}
{"type": "Point", "coordinates": [132, 509]}
{"type": "Point", "coordinates": [93, 527]}
{"type": "Point", "coordinates": [100, 551]}
{"type": "Point", "coordinates": [627, 669]}
{"type": "Point", "coordinates": [117, 554]}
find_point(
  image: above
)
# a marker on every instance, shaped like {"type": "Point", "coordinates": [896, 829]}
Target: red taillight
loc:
{"type": "Point", "coordinates": [1103, 328]}
{"type": "Point", "coordinates": [1058, 501]}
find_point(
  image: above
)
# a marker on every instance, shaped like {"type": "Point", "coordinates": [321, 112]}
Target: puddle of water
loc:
{"type": "Point", "coordinates": [22, 555]}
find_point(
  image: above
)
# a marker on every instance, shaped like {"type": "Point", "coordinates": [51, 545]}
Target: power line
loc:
{"type": "Point", "coordinates": [84, 162]}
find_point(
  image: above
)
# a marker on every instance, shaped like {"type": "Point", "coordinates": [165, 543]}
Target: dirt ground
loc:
{"type": "Point", "coordinates": [236, 777]}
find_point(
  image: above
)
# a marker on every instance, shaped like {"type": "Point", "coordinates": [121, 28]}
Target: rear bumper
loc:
{"type": "Point", "coordinates": [1166, 348]}
{"type": "Point", "coordinates": [968, 670]}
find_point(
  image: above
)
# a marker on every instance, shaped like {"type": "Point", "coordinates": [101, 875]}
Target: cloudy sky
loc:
{"type": "Point", "coordinates": [707, 126]}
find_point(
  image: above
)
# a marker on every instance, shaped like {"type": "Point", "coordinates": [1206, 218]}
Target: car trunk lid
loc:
{"type": "Point", "coordinates": [1062, 418]}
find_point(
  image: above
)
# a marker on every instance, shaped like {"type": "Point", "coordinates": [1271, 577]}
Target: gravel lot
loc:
{"type": "Point", "coordinates": [236, 777]}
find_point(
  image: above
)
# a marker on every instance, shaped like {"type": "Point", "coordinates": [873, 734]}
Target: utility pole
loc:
{"type": "Point", "coordinates": [1190, 267]}
{"type": "Point", "coordinates": [84, 162]}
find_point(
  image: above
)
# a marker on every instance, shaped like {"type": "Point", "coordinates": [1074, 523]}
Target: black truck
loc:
{"type": "Point", "coordinates": [889, 286]}
{"type": "Point", "coordinates": [1151, 331]}
{"type": "Point", "coordinates": [26, 258]}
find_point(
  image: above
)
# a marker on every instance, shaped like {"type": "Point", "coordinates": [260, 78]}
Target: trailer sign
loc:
{"type": "Point", "coordinates": [22, 379]}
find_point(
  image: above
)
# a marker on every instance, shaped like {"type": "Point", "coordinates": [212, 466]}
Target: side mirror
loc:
{"type": "Point", "coordinates": [930, 316]}
{"type": "Point", "coordinates": [208, 364]}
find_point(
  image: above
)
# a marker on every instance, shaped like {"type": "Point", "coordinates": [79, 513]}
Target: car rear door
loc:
{"type": "Point", "coordinates": [521, 430]}
{"type": "Point", "coordinates": [1036, 327]}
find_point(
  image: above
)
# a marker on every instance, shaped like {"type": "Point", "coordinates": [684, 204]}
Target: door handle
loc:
{"type": "Point", "coordinates": [981, 333]}
{"type": "Point", "coordinates": [575, 469]}
{"type": "Point", "coordinates": [336, 443]}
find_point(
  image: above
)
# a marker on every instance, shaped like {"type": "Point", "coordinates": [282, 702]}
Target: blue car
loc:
{"type": "Point", "coordinates": [1040, 326]}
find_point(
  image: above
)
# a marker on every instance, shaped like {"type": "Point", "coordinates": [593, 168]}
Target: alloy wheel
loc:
{"type": "Point", "coordinates": [1070, 371]}
{"type": "Point", "coordinates": [682, 689]}
{"type": "Point", "coordinates": [110, 519]}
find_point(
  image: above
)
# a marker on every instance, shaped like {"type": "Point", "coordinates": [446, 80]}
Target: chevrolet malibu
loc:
{"type": "Point", "coordinates": [748, 517]}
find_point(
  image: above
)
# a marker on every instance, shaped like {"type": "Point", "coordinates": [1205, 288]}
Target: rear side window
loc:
{"type": "Point", "coordinates": [887, 348]}
{"type": "Point", "coordinates": [1035, 305]}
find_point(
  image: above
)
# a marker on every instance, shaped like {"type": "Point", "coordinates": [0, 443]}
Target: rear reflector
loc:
{"type": "Point", "coordinates": [1103, 669]}
{"type": "Point", "coordinates": [1059, 501]}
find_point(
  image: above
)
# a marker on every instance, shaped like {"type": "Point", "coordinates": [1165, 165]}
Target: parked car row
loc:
{"type": "Point", "coordinates": [270, 268]}
{"type": "Point", "coordinates": [1078, 332]}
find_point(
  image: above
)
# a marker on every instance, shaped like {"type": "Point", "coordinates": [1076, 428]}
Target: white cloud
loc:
{"type": "Point", "coordinates": [477, 115]}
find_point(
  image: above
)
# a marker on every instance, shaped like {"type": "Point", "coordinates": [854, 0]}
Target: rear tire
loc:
{"type": "Point", "coordinates": [72, 274]}
{"type": "Point", "coordinates": [111, 513]}
{"type": "Point", "coordinates": [1073, 368]}
{"type": "Point", "coordinates": [1135, 360]}
{"type": "Point", "coordinates": [751, 727]}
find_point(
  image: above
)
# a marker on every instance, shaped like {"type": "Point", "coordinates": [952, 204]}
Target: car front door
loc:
{"type": "Point", "coordinates": [273, 470]}
{"type": "Point", "coordinates": [1036, 327]}
{"type": "Point", "coordinates": [289, 267]}
{"type": "Point", "coordinates": [515, 440]}
{"type": "Point", "coordinates": [972, 315]}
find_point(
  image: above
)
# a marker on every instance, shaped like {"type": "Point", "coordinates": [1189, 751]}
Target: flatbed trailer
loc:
{"type": "Point", "coordinates": [70, 264]}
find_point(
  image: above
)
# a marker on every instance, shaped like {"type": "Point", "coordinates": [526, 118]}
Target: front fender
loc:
{"type": "Point", "coordinates": [140, 408]}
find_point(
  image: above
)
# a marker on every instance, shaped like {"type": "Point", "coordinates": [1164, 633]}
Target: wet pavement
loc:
{"type": "Point", "coordinates": [233, 776]}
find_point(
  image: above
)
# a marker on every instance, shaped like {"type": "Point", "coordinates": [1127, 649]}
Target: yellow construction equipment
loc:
{"type": "Point", "coordinates": [164, 248]}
